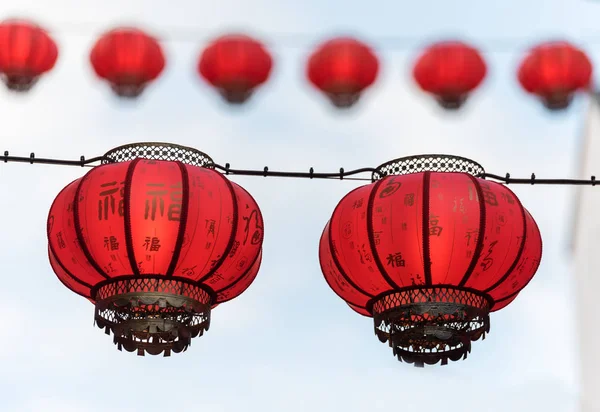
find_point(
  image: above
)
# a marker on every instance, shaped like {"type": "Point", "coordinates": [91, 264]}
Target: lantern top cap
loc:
{"type": "Point", "coordinates": [427, 163]}
{"type": "Point", "coordinates": [158, 151]}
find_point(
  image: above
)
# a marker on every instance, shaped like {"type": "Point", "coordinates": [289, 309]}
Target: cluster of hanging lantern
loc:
{"type": "Point", "coordinates": [156, 238]}
{"type": "Point", "coordinates": [342, 68]}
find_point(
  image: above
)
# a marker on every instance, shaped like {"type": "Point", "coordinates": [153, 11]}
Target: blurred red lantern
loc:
{"type": "Point", "coordinates": [235, 65]}
{"type": "Point", "coordinates": [155, 244]}
{"type": "Point", "coordinates": [450, 71]}
{"type": "Point", "coordinates": [554, 71]}
{"type": "Point", "coordinates": [343, 68]}
{"type": "Point", "coordinates": [428, 251]}
{"type": "Point", "coordinates": [129, 59]}
{"type": "Point", "coordinates": [26, 52]}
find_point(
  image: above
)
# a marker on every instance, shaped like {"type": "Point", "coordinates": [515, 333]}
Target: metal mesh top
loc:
{"type": "Point", "coordinates": [428, 163]}
{"type": "Point", "coordinates": [158, 151]}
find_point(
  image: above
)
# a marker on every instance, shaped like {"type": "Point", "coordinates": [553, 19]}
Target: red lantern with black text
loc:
{"type": "Point", "coordinates": [450, 71]}
{"type": "Point", "coordinates": [26, 52]}
{"type": "Point", "coordinates": [128, 59]}
{"type": "Point", "coordinates": [343, 68]}
{"type": "Point", "coordinates": [155, 238]}
{"type": "Point", "coordinates": [429, 250]}
{"type": "Point", "coordinates": [554, 72]}
{"type": "Point", "coordinates": [235, 65]}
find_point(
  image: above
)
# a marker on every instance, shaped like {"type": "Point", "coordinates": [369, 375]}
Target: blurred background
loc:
{"type": "Point", "coordinates": [289, 343]}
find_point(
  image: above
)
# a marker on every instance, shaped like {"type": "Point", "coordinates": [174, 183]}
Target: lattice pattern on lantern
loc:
{"type": "Point", "coordinates": [432, 163]}
{"type": "Point", "coordinates": [158, 151]}
{"type": "Point", "coordinates": [165, 288]}
{"type": "Point", "coordinates": [426, 325]}
{"type": "Point", "coordinates": [152, 315]}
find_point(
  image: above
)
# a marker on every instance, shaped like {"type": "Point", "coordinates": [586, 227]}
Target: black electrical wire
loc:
{"type": "Point", "coordinates": [311, 174]}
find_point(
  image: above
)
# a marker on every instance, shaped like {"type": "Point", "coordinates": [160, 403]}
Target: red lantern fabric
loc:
{"type": "Point", "coordinates": [554, 71]}
{"type": "Point", "coordinates": [26, 52]}
{"type": "Point", "coordinates": [235, 65]}
{"type": "Point", "coordinates": [343, 68]}
{"type": "Point", "coordinates": [450, 71]}
{"type": "Point", "coordinates": [450, 237]}
{"type": "Point", "coordinates": [359, 310]}
{"type": "Point", "coordinates": [128, 59]}
{"type": "Point", "coordinates": [155, 221]}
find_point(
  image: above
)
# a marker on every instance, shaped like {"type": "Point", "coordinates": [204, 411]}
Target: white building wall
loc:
{"type": "Point", "coordinates": [586, 259]}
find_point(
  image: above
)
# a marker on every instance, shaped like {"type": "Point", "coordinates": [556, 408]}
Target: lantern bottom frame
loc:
{"type": "Point", "coordinates": [19, 82]}
{"type": "Point", "coordinates": [236, 94]}
{"type": "Point", "coordinates": [127, 90]}
{"type": "Point", "coordinates": [431, 324]}
{"type": "Point", "coordinates": [557, 101]}
{"type": "Point", "coordinates": [343, 95]}
{"type": "Point", "coordinates": [127, 86]}
{"type": "Point", "coordinates": [344, 100]}
{"type": "Point", "coordinates": [452, 101]}
{"type": "Point", "coordinates": [152, 315]}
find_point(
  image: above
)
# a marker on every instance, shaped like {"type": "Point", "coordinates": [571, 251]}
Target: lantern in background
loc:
{"type": "Point", "coordinates": [450, 71]}
{"type": "Point", "coordinates": [128, 59]}
{"type": "Point", "coordinates": [26, 52]}
{"type": "Point", "coordinates": [343, 68]}
{"type": "Point", "coordinates": [553, 72]}
{"type": "Point", "coordinates": [155, 238]}
{"type": "Point", "coordinates": [428, 250]}
{"type": "Point", "coordinates": [235, 65]}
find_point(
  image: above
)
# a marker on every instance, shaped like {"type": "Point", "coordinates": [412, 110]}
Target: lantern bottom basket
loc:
{"type": "Point", "coordinates": [152, 315]}
{"type": "Point", "coordinates": [452, 101]}
{"type": "Point", "coordinates": [19, 82]}
{"type": "Point", "coordinates": [557, 101]}
{"type": "Point", "coordinates": [128, 88]}
{"type": "Point", "coordinates": [427, 325]}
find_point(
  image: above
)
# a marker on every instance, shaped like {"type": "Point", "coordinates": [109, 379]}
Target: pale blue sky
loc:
{"type": "Point", "coordinates": [289, 343]}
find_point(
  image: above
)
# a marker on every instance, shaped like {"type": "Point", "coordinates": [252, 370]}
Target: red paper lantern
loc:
{"type": "Point", "coordinates": [155, 244]}
{"type": "Point", "coordinates": [235, 65]}
{"type": "Point", "coordinates": [128, 59]}
{"type": "Point", "coordinates": [343, 68]}
{"type": "Point", "coordinates": [450, 71]}
{"type": "Point", "coordinates": [26, 52]}
{"type": "Point", "coordinates": [554, 71]}
{"type": "Point", "coordinates": [428, 250]}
